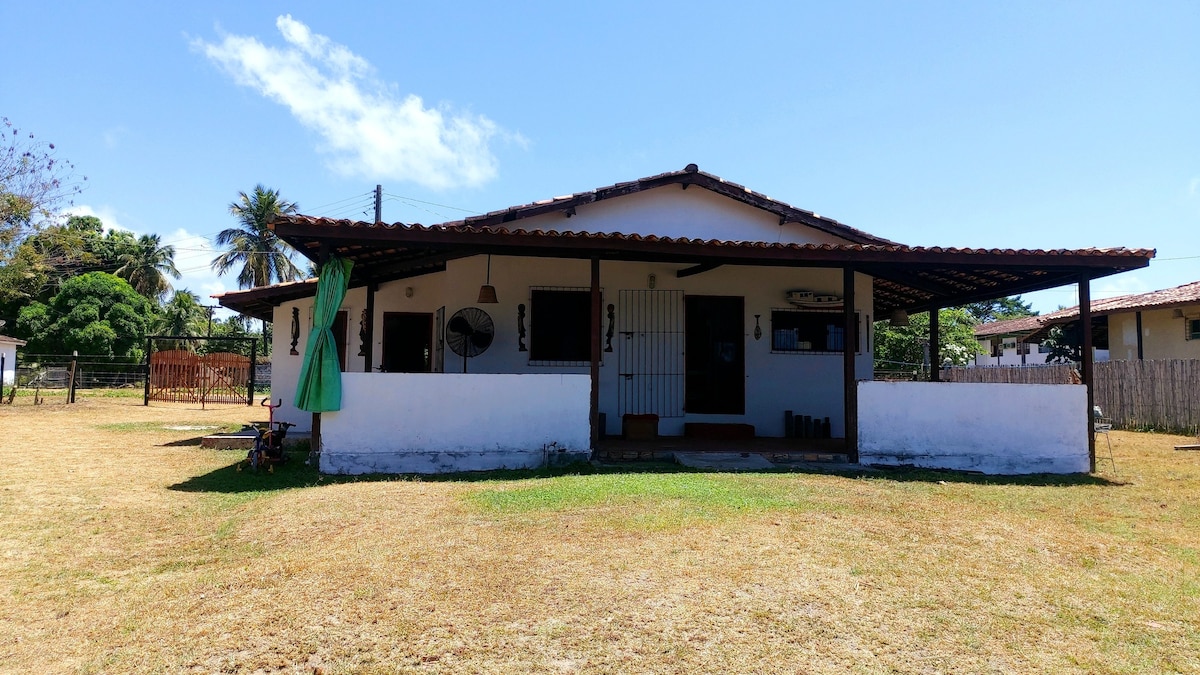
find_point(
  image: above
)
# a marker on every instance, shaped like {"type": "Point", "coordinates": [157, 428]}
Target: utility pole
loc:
{"type": "Point", "coordinates": [378, 203]}
{"type": "Point", "coordinates": [210, 309]}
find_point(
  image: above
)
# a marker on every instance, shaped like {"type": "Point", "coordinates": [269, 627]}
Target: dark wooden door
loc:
{"type": "Point", "coordinates": [339, 328]}
{"type": "Point", "coordinates": [407, 342]}
{"type": "Point", "coordinates": [716, 355]}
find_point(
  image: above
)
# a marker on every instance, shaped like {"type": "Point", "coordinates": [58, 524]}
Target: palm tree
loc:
{"type": "Point", "coordinates": [146, 266]}
{"type": "Point", "coordinates": [182, 315]}
{"type": "Point", "coordinates": [263, 257]}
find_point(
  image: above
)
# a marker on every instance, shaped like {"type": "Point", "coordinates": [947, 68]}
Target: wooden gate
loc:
{"type": "Point", "coordinates": [183, 376]}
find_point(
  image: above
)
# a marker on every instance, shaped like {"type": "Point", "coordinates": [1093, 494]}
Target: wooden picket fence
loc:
{"type": "Point", "coordinates": [1036, 374]}
{"type": "Point", "coordinates": [1162, 395]}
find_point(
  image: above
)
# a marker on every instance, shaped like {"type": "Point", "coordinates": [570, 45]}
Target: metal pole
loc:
{"type": "Point", "coordinates": [378, 203]}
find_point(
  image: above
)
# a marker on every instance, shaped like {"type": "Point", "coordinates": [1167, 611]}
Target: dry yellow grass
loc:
{"type": "Point", "coordinates": [119, 553]}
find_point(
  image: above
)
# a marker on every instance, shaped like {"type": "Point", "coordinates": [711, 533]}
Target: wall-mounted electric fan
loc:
{"type": "Point", "coordinates": [469, 333]}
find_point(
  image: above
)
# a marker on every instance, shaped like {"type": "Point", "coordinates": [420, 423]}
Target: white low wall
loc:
{"type": "Point", "coordinates": [441, 422]}
{"type": "Point", "coordinates": [992, 428]}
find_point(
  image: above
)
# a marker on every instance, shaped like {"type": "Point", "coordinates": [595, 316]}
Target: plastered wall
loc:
{"type": "Point", "coordinates": [991, 428]}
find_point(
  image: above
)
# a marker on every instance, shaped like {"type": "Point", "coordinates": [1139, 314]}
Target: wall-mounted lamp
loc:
{"type": "Point", "coordinates": [899, 318]}
{"type": "Point", "coordinates": [651, 281]}
{"type": "Point", "coordinates": [408, 291]}
{"type": "Point", "coordinates": [1177, 314]}
{"type": "Point", "coordinates": [487, 292]}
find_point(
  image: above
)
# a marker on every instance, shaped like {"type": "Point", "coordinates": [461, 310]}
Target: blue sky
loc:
{"type": "Point", "coordinates": [1016, 124]}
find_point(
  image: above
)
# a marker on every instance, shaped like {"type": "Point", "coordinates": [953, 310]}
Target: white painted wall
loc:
{"type": "Point", "coordinates": [671, 211]}
{"type": "Point", "coordinates": [992, 428]}
{"type": "Point", "coordinates": [437, 423]}
{"type": "Point", "coordinates": [1010, 357]}
{"type": "Point", "coordinates": [9, 350]}
{"type": "Point", "coordinates": [808, 384]}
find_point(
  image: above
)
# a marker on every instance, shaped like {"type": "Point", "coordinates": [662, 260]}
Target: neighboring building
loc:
{"type": "Point", "coordinates": [1017, 342]}
{"type": "Point", "coordinates": [1002, 343]}
{"type": "Point", "coordinates": [680, 298]}
{"type": "Point", "coordinates": [8, 359]}
{"type": "Point", "coordinates": [1161, 324]}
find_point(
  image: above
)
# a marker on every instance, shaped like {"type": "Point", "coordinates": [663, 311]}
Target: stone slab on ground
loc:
{"type": "Point", "coordinates": [724, 461]}
{"type": "Point", "coordinates": [243, 439]}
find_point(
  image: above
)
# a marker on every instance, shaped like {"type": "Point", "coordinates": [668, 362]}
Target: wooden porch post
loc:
{"type": "Point", "coordinates": [1138, 317]}
{"type": "Point", "coordinates": [935, 373]}
{"type": "Point", "coordinates": [595, 369]}
{"type": "Point", "coordinates": [369, 344]}
{"type": "Point", "coordinates": [849, 380]}
{"type": "Point", "coordinates": [1085, 359]}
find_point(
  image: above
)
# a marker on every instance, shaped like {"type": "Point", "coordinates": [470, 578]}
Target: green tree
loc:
{"type": "Point", "coordinates": [95, 313]}
{"type": "Point", "coordinates": [260, 257]}
{"type": "Point", "coordinates": [147, 265]}
{"type": "Point", "coordinates": [182, 315]}
{"type": "Point", "coordinates": [999, 309]}
{"type": "Point", "coordinates": [903, 347]}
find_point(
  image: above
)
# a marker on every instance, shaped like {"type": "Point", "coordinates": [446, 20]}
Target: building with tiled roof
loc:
{"type": "Point", "coordinates": [680, 304]}
{"type": "Point", "coordinates": [1163, 324]}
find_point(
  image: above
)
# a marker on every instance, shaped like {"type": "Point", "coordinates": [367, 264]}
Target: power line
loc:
{"type": "Point", "coordinates": [444, 206]}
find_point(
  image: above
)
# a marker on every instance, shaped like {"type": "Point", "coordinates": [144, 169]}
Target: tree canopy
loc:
{"type": "Point", "coordinates": [999, 309]}
{"type": "Point", "coordinates": [903, 347]}
{"type": "Point", "coordinates": [147, 265]}
{"type": "Point", "coordinates": [95, 313]}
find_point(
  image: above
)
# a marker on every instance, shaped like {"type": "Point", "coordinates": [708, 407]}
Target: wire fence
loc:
{"type": "Point", "coordinates": [53, 371]}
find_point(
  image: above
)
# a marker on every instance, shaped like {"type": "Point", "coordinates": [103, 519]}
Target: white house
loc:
{"type": "Point", "coordinates": [1018, 342]}
{"type": "Point", "coordinates": [679, 298]}
{"type": "Point", "coordinates": [8, 359]}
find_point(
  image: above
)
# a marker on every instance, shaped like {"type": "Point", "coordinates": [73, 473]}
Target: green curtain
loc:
{"type": "Point", "coordinates": [320, 386]}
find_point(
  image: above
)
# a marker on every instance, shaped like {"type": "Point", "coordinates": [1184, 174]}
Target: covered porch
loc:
{"type": "Point", "coordinates": [738, 286]}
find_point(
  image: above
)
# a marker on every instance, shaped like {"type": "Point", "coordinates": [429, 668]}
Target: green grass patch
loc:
{"type": "Point", "coordinates": [703, 494]}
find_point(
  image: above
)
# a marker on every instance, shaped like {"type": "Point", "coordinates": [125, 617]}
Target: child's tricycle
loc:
{"type": "Point", "coordinates": [268, 444]}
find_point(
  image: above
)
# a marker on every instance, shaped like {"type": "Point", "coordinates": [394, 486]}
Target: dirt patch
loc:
{"type": "Point", "coordinates": [107, 564]}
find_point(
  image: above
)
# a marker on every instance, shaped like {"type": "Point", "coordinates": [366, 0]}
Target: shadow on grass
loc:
{"type": "Point", "coordinates": [296, 474]}
{"type": "Point", "coordinates": [194, 441]}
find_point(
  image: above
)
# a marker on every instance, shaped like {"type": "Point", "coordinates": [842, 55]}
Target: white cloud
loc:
{"type": "Point", "coordinates": [368, 128]}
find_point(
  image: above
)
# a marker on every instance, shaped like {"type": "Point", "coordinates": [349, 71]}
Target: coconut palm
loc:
{"type": "Point", "coordinates": [263, 258]}
{"type": "Point", "coordinates": [146, 266]}
{"type": "Point", "coordinates": [182, 315]}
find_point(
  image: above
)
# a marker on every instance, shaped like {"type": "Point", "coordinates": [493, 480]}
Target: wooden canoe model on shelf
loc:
{"type": "Point", "coordinates": [811, 300]}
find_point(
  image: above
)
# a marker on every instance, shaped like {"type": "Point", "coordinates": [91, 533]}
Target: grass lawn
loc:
{"type": "Point", "coordinates": [125, 547]}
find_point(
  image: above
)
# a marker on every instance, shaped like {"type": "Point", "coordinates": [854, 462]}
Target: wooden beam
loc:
{"type": "Point", "coordinates": [849, 378]}
{"type": "Point", "coordinates": [935, 373]}
{"type": "Point", "coordinates": [698, 269]}
{"type": "Point", "coordinates": [595, 365]}
{"type": "Point", "coordinates": [1085, 358]}
{"type": "Point", "coordinates": [1138, 318]}
{"type": "Point", "coordinates": [369, 342]}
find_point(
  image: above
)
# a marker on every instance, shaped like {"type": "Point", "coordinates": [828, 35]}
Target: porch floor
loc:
{"type": "Point", "coordinates": [775, 450]}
